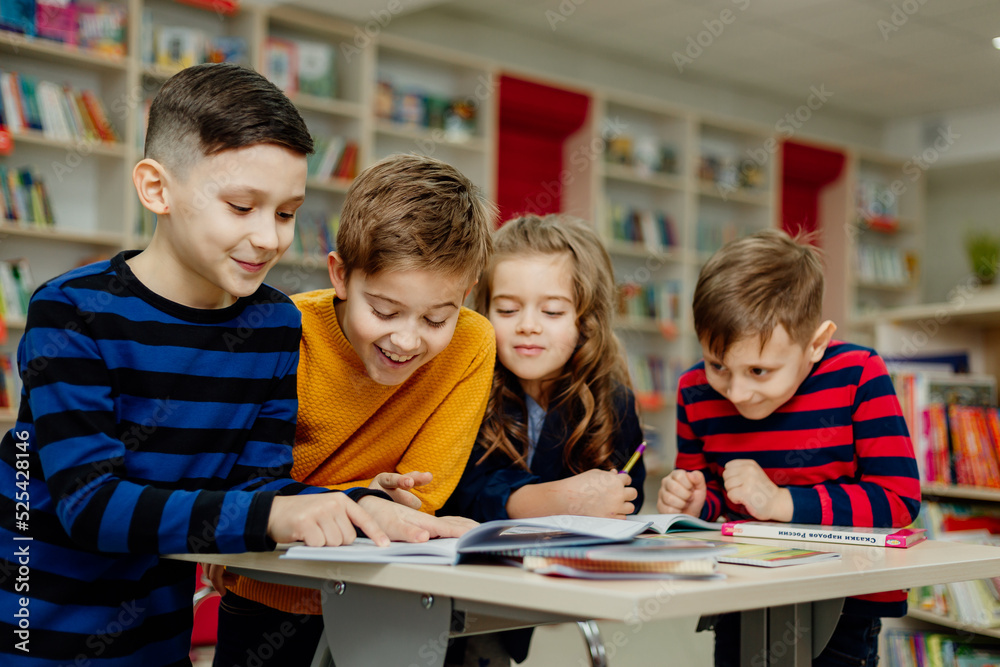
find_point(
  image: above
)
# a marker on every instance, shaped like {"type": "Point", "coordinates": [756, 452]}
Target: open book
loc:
{"type": "Point", "coordinates": [672, 523]}
{"type": "Point", "coordinates": [506, 536]}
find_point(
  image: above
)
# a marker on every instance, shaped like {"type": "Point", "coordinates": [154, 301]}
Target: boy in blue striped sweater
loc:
{"type": "Point", "coordinates": [159, 400]}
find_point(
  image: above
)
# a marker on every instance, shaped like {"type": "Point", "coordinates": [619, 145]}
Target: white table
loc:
{"type": "Point", "coordinates": [391, 615]}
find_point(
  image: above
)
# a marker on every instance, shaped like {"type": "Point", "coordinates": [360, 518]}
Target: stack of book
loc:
{"type": "Point", "coordinates": [24, 198]}
{"type": "Point", "coordinates": [59, 112]}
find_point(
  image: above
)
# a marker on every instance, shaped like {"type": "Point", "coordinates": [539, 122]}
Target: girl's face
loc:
{"type": "Point", "coordinates": [533, 311]}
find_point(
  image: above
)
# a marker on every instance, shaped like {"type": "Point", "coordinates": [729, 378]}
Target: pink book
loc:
{"type": "Point", "coordinates": [879, 537]}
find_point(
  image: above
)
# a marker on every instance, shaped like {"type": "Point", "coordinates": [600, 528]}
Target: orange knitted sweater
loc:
{"type": "Point", "coordinates": [350, 428]}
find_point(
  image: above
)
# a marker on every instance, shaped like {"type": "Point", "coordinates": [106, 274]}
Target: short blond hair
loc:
{"type": "Point", "coordinates": [753, 284]}
{"type": "Point", "coordinates": [414, 212]}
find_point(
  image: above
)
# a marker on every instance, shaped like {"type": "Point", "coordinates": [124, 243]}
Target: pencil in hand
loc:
{"type": "Point", "coordinates": [634, 459]}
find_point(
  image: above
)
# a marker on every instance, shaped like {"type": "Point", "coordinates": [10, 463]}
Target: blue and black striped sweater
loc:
{"type": "Point", "coordinates": [145, 428]}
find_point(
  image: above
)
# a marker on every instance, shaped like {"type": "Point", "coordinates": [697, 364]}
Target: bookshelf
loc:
{"type": "Point", "coordinates": [661, 215]}
{"type": "Point", "coordinates": [981, 497]}
{"type": "Point", "coordinates": [457, 121]}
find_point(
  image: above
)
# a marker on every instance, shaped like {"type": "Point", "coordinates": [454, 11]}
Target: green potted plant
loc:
{"type": "Point", "coordinates": [984, 255]}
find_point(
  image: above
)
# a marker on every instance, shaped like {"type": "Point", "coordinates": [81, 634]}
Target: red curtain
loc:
{"type": "Point", "coordinates": [535, 121]}
{"type": "Point", "coordinates": [805, 171]}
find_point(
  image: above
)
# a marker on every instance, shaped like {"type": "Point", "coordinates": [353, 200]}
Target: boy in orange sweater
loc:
{"type": "Point", "coordinates": [394, 373]}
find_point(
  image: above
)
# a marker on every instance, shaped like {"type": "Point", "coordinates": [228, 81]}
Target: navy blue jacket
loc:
{"type": "Point", "coordinates": [483, 491]}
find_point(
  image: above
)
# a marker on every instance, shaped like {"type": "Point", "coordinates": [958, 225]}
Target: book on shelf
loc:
{"type": "Point", "coordinates": [866, 536]}
{"type": "Point", "coordinates": [57, 20]}
{"type": "Point", "coordinates": [655, 230]}
{"type": "Point", "coordinates": [492, 537]}
{"type": "Point", "coordinates": [953, 424]}
{"type": "Point", "coordinates": [317, 69]}
{"type": "Point", "coordinates": [328, 155]}
{"type": "Point", "coordinates": [281, 63]}
{"type": "Point", "coordinates": [18, 17]}
{"type": "Point", "coordinates": [103, 27]}
{"type": "Point", "coordinates": [933, 649]}
{"type": "Point", "coordinates": [178, 47]}
{"type": "Point", "coordinates": [973, 603]}
{"type": "Point", "coordinates": [57, 111]}
{"type": "Point", "coordinates": [657, 301]}
{"type": "Point", "coordinates": [16, 287]}
{"type": "Point", "coordinates": [25, 199]}
{"type": "Point", "coordinates": [10, 390]}
{"type": "Point", "coordinates": [315, 234]}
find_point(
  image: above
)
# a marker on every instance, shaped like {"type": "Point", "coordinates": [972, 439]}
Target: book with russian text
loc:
{"type": "Point", "coordinates": [491, 537]}
{"type": "Point", "coordinates": [880, 537]}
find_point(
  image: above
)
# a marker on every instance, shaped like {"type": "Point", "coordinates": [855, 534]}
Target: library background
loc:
{"type": "Point", "coordinates": [671, 128]}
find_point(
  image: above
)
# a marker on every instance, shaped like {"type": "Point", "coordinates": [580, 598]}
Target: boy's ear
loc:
{"type": "Point", "coordinates": [338, 274]}
{"type": "Point", "coordinates": [821, 340]}
{"type": "Point", "coordinates": [149, 178]}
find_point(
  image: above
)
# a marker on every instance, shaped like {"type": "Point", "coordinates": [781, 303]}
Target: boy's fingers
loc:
{"type": "Point", "coordinates": [683, 479]}
{"type": "Point", "coordinates": [454, 526]}
{"type": "Point", "coordinates": [405, 498]}
{"type": "Point", "coordinates": [629, 508]}
{"type": "Point", "coordinates": [421, 478]}
{"type": "Point", "coordinates": [679, 490]}
{"type": "Point", "coordinates": [630, 493]}
{"type": "Point", "coordinates": [368, 525]}
{"type": "Point", "coordinates": [696, 478]}
{"type": "Point", "coordinates": [624, 478]}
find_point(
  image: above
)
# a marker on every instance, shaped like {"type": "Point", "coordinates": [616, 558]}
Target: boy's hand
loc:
{"type": "Point", "coordinates": [219, 577]}
{"type": "Point", "coordinates": [595, 492]}
{"type": "Point", "coordinates": [397, 486]}
{"type": "Point", "coordinates": [323, 519]}
{"type": "Point", "coordinates": [682, 492]}
{"type": "Point", "coordinates": [747, 484]}
{"type": "Point", "coordinates": [404, 524]}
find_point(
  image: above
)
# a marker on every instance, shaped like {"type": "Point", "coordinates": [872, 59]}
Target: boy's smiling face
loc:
{"type": "Point", "coordinates": [397, 321]}
{"type": "Point", "coordinates": [231, 217]}
{"type": "Point", "coordinates": [759, 381]}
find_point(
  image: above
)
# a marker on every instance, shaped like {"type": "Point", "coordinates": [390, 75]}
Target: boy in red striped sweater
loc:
{"type": "Point", "coordinates": [780, 422]}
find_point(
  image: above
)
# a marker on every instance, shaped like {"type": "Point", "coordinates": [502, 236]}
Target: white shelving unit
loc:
{"type": "Point", "coordinates": [649, 171]}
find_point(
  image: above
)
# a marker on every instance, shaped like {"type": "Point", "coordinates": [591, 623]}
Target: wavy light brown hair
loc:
{"type": "Point", "coordinates": [585, 390]}
{"type": "Point", "coordinates": [409, 211]}
{"type": "Point", "coordinates": [753, 284]}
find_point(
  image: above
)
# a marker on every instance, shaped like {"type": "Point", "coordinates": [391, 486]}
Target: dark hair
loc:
{"type": "Point", "coordinates": [206, 109]}
{"type": "Point", "coordinates": [585, 388]}
{"type": "Point", "coordinates": [753, 284]}
{"type": "Point", "coordinates": [408, 211]}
